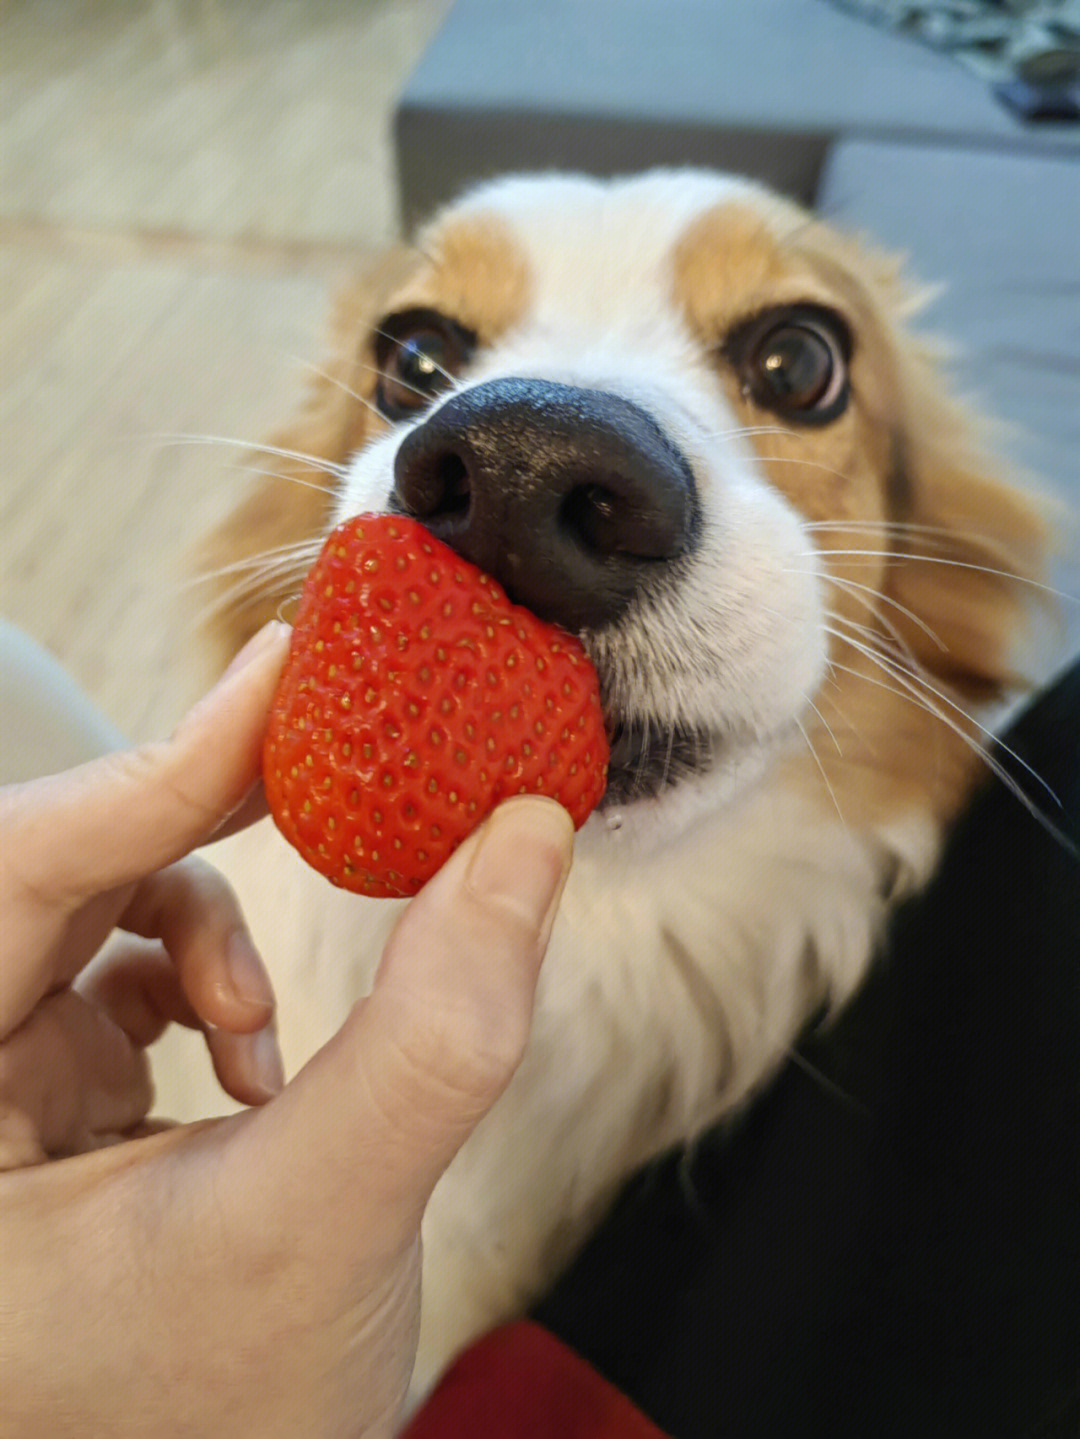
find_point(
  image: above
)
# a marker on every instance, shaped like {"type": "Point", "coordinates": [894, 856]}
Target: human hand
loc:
{"type": "Point", "coordinates": [260, 1274]}
{"type": "Point", "coordinates": [103, 847]}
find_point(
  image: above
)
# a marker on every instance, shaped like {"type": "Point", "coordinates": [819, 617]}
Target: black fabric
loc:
{"type": "Point", "coordinates": [888, 1244]}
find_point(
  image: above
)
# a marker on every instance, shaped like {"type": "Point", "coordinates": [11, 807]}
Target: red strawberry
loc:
{"type": "Point", "coordinates": [414, 699]}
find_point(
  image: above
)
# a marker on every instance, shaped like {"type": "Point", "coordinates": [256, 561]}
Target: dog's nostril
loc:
{"type": "Point", "coordinates": [453, 486]}
{"type": "Point", "coordinates": [432, 483]}
{"type": "Point", "coordinates": [590, 515]}
{"type": "Point", "coordinates": [625, 518]}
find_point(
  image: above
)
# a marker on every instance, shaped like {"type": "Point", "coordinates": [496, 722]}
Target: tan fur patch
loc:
{"type": "Point", "coordinates": [468, 269]}
{"type": "Point", "coordinates": [474, 272]}
{"type": "Point", "coordinates": [290, 501]}
{"type": "Point", "coordinates": [929, 550]}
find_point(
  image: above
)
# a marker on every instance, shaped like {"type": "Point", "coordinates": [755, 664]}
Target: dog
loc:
{"type": "Point", "coordinates": [688, 421]}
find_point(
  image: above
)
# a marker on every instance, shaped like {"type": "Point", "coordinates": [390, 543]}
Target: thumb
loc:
{"type": "Point", "coordinates": [380, 1112]}
{"type": "Point", "coordinates": [85, 834]}
{"type": "Point", "coordinates": [129, 813]}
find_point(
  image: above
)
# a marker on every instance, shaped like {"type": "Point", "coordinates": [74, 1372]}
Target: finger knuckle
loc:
{"type": "Point", "coordinates": [155, 764]}
{"type": "Point", "coordinates": [189, 888]}
{"type": "Point", "coordinates": [470, 1052]}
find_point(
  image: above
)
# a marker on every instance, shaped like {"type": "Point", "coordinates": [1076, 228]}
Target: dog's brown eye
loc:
{"type": "Point", "coordinates": [419, 354]}
{"type": "Point", "coordinates": [794, 362]}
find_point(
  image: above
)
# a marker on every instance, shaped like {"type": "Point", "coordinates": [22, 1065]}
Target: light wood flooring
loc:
{"type": "Point", "coordinates": [181, 184]}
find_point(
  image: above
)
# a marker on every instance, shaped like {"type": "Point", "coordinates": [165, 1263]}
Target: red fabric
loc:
{"type": "Point", "coordinates": [520, 1382]}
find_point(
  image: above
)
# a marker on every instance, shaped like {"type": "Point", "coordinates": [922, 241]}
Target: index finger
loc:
{"type": "Point", "coordinates": [118, 818]}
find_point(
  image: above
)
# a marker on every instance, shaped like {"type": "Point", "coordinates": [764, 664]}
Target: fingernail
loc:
{"type": "Point", "coordinates": [523, 857]}
{"type": "Point", "coordinates": [246, 971]}
{"type": "Point", "coordinates": [267, 1069]}
{"type": "Point", "coordinates": [269, 637]}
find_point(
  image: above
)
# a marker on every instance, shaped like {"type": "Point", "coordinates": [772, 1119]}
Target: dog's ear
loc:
{"type": "Point", "coordinates": [256, 559]}
{"type": "Point", "coordinates": [971, 540]}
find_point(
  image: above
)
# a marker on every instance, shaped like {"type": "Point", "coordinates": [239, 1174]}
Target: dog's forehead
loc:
{"type": "Point", "coordinates": [590, 245]}
{"type": "Point", "coordinates": [645, 215]}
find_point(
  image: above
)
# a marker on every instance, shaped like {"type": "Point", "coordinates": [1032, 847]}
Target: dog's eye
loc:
{"type": "Point", "coordinates": [419, 354]}
{"type": "Point", "coordinates": [794, 362]}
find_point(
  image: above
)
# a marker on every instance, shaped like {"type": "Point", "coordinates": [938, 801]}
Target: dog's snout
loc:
{"type": "Point", "coordinates": [567, 496]}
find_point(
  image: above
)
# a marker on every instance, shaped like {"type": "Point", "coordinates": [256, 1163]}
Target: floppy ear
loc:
{"type": "Point", "coordinates": [256, 559]}
{"type": "Point", "coordinates": [973, 541]}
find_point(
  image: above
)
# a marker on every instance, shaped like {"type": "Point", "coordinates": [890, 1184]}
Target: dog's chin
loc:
{"type": "Point", "coordinates": [648, 758]}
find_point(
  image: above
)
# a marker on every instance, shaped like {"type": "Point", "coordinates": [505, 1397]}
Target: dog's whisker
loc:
{"type": "Point", "coordinates": [250, 589]}
{"type": "Point", "coordinates": [749, 431]}
{"type": "Point", "coordinates": [283, 607]}
{"type": "Point", "coordinates": [906, 527]}
{"type": "Point", "coordinates": [859, 592]}
{"type": "Point", "coordinates": [286, 557]}
{"type": "Point", "coordinates": [386, 335]}
{"type": "Point", "coordinates": [994, 765]}
{"type": "Point", "coordinates": [313, 462]}
{"type": "Point", "coordinates": [921, 702]}
{"type": "Point", "coordinates": [413, 389]}
{"type": "Point", "coordinates": [287, 479]}
{"type": "Point", "coordinates": [942, 536]}
{"type": "Point", "coordinates": [259, 575]}
{"type": "Point", "coordinates": [828, 1085]}
{"type": "Point", "coordinates": [268, 569]}
{"type": "Point", "coordinates": [892, 643]}
{"type": "Point", "coordinates": [879, 649]}
{"type": "Point", "coordinates": [802, 460]}
{"type": "Point", "coordinates": [1011, 575]}
{"type": "Point", "coordinates": [909, 681]}
{"type": "Point", "coordinates": [306, 551]}
{"type": "Point", "coordinates": [875, 646]}
{"type": "Point", "coordinates": [910, 665]}
{"type": "Point", "coordinates": [821, 770]}
{"type": "Point", "coordinates": [346, 389]}
{"type": "Point", "coordinates": [828, 727]}
{"type": "Point", "coordinates": [833, 703]}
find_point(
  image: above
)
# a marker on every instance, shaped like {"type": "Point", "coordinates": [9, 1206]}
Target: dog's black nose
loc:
{"type": "Point", "coordinates": [569, 497]}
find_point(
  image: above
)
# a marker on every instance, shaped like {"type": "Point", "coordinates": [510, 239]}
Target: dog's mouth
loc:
{"type": "Point", "coordinates": [648, 757]}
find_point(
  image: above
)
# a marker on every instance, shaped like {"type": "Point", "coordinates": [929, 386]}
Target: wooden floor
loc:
{"type": "Point", "coordinates": [181, 184]}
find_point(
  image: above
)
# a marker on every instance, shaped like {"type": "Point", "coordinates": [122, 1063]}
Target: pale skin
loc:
{"type": "Point", "coordinates": [257, 1274]}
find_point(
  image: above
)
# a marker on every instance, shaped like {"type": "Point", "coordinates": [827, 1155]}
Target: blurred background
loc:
{"type": "Point", "coordinates": [182, 183]}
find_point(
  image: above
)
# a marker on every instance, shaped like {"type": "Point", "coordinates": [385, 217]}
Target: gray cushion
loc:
{"type": "Point", "coordinates": [47, 723]}
{"type": "Point", "coordinates": [1002, 233]}
{"type": "Point", "coordinates": [762, 87]}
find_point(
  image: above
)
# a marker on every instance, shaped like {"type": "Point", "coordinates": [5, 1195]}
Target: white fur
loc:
{"type": "Point", "coordinates": [700, 929]}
